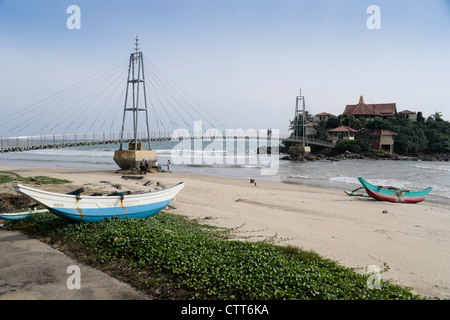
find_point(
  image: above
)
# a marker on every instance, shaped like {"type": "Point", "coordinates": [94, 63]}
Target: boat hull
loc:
{"type": "Point", "coordinates": [91, 215]}
{"type": "Point", "coordinates": [397, 196]}
{"type": "Point", "coordinates": [96, 208]}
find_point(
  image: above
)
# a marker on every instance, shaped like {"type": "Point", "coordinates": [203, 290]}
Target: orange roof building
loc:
{"type": "Point", "coordinates": [382, 110]}
{"type": "Point", "coordinates": [324, 116]}
{"type": "Point", "coordinates": [342, 132]}
{"type": "Point", "coordinates": [385, 140]}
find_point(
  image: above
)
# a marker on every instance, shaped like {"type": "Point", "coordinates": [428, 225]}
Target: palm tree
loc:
{"type": "Point", "coordinates": [296, 124]}
{"type": "Point", "coordinates": [437, 116]}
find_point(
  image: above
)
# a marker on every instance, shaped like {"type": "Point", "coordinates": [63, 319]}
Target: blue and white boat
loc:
{"type": "Point", "coordinates": [76, 207]}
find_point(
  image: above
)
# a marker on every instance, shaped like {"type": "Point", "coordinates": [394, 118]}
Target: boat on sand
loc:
{"type": "Point", "coordinates": [75, 207]}
{"type": "Point", "coordinates": [392, 194]}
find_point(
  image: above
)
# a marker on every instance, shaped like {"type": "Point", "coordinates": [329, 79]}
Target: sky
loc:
{"type": "Point", "coordinates": [243, 61]}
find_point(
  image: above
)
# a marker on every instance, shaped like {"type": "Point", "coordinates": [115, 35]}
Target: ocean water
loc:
{"type": "Point", "coordinates": [239, 159]}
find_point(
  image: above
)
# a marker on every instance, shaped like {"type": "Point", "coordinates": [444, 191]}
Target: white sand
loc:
{"type": "Point", "coordinates": [410, 243]}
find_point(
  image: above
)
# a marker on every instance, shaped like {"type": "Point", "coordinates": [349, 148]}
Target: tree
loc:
{"type": "Point", "coordinates": [349, 121]}
{"type": "Point", "coordinates": [376, 124]}
{"type": "Point", "coordinates": [356, 146]}
{"type": "Point", "coordinates": [332, 123]}
{"type": "Point", "coordinates": [437, 116]}
{"type": "Point", "coordinates": [320, 130]}
{"type": "Point", "coordinates": [437, 132]}
{"type": "Point", "coordinates": [410, 137]}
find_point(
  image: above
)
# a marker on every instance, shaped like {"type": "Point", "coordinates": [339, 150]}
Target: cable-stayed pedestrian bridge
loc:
{"type": "Point", "coordinates": [95, 103]}
{"type": "Point", "coordinates": [57, 141]}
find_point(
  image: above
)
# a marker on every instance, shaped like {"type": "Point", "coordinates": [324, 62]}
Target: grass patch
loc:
{"type": "Point", "coordinates": [172, 257]}
{"type": "Point", "coordinates": [7, 177]}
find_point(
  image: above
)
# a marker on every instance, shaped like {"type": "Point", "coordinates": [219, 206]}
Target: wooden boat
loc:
{"type": "Point", "coordinates": [78, 208]}
{"type": "Point", "coordinates": [20, 215]}
{"type": "Point", "coordinates": [394, 194]}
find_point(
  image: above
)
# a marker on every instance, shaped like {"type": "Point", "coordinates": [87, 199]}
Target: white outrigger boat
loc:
{"type": "Point", "coordinates": [75, 207]}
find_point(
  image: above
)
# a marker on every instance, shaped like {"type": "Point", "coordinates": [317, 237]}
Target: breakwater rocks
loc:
{"type": "Point", "coordinates": [270, 150]}
{"type": "Point", "coordinates": [328, 154]}
{"type": "Point", "coordinates": [347, 155]}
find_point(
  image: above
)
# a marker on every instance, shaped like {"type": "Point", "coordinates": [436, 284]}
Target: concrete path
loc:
{"type": "Point", "coordinates": [32, 270]}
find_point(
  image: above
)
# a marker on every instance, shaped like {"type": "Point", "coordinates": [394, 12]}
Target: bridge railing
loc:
{"type": "Point", "coordinates": [324, 143]}
{"type": "Point", "coordinates": [23, 143]}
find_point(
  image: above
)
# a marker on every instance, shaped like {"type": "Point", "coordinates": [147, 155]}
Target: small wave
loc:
{"type": "Point", "coordinates": [347, 180]}
{"type": "Point", "coordinates": [163, 151]}
{"type": "Point", "coordinates": [72, 153]}
{"type": "Point", "coordinates": [255, 166]}
{"type": "Point", "coordinates": [298, 176]}
{"type": "Point", "coordinates": [432, 167]}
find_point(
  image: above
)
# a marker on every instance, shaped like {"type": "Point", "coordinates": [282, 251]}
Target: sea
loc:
{"type": "Point", "coordinates": [240, 159]}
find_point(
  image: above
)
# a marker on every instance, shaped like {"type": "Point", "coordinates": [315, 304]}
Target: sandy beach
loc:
{"type": "Point", "coordinates": [410, 243]}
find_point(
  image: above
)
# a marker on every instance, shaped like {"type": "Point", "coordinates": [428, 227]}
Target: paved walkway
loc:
{"type": "Point", "coordinates": [32, 270]}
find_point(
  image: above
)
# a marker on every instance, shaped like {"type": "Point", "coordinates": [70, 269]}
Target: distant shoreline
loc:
{"type": "Point", "coordinates": [350, 155]}
{"type": "Point", "coordinates": [328, 154]}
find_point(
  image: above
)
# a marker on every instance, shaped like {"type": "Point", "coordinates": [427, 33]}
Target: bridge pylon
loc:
{"type": "Point", "coordinates": [300, 129]}
{"type": "Point", "coordinates": [131, 157]}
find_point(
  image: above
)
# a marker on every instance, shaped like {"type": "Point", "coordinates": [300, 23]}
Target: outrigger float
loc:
{"type": "Point", "coordinates": [21, 215]}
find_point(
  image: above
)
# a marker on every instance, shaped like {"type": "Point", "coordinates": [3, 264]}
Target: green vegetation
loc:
{"type": "Point", "coordinates": [356, 146]}
{"type": "Point", "coordinates": [188, 260]}
{"type": "Point", "coordinates": [7, 177]}
{"type": "Point", "coordinates": [431, 135]}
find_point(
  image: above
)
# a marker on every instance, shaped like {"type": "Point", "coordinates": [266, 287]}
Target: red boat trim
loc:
{"type": "Point", "coordinates": [393, 198]}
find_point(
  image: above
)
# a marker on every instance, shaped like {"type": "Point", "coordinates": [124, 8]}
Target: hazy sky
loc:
{"type": "Point", "coordinates": [242, 60]}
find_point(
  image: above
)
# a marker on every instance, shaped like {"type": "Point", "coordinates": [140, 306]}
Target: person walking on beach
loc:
{"type": "Point", "coordinates": [168, 166]}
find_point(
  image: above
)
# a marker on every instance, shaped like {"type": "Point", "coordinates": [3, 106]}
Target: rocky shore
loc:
{"type": "Point", "coordinates": [378, 156]}
{"type": "Point", "coordinates": [328, 154]}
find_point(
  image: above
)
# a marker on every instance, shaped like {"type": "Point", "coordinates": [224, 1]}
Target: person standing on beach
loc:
{"type": "Point", "coordinates": [168, 166]}
{"type": "Point", "coordinates": [144, 166]}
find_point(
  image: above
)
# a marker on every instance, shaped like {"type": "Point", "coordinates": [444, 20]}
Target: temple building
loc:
{"type": "Point", "coordinates": [369, 111]}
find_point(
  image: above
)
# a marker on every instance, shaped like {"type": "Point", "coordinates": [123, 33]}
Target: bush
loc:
{"type": "Point", "coordinates": [355, 146]}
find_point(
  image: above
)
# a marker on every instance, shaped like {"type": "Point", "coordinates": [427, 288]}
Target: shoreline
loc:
{"type": "Point", "coordinates": [409, 243]}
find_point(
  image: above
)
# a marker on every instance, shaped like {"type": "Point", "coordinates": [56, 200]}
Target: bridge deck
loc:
{"type": "Point", "coordinates": [20, 144]}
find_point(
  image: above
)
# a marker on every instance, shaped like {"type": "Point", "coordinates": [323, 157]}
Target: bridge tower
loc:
{"type": "Point", "coordinates": [127, 159]}
{"type": "Point", "coordinates": [300, 128]}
